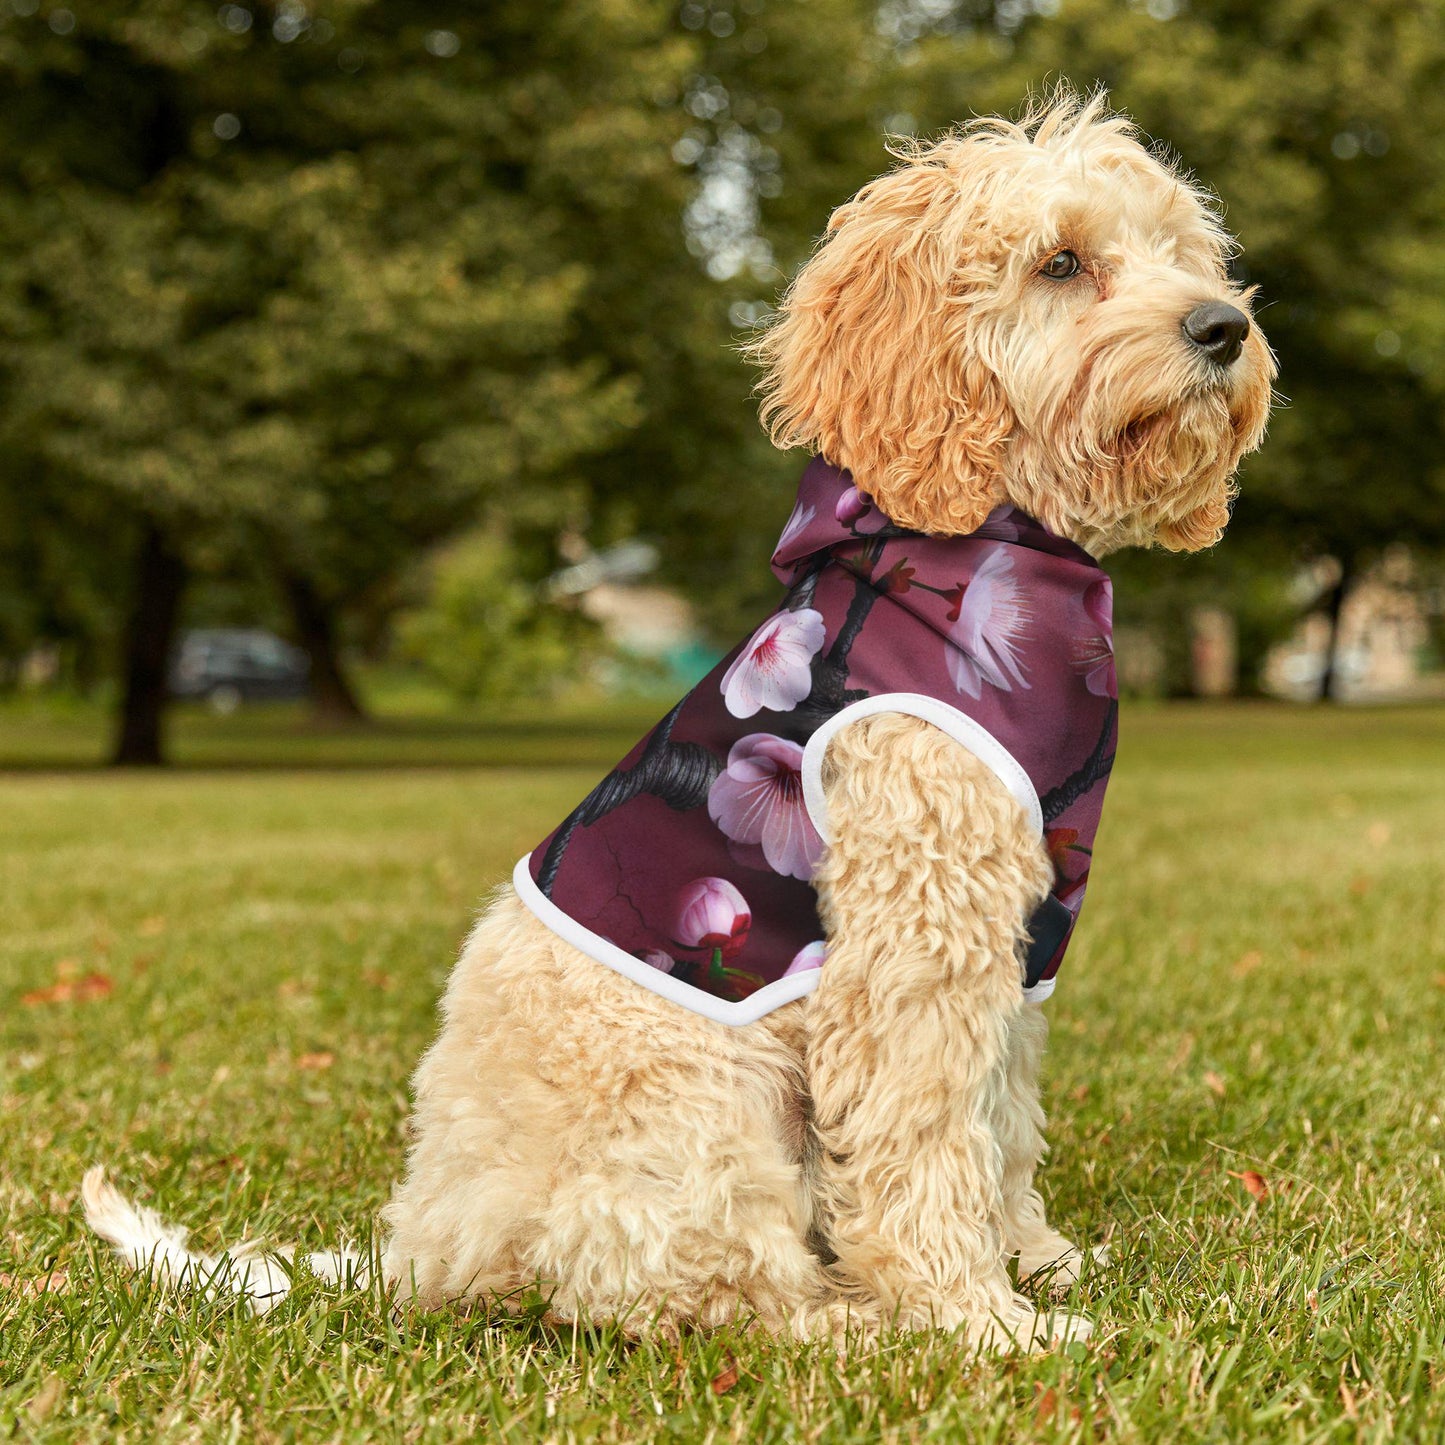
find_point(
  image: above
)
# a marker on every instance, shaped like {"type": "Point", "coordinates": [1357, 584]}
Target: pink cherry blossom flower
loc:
{"type": "Point", "coordinates": [712, 916]}
{"type": "Point", "coordinates": [757, 801]}
{"type": "Point", "coordinates": [990, 618]}
{"type": "Point", "coordinates": [811, 955]}
{"type": "Point", "coordinates": [775, 668]}
{"type": "Point", "coordinates": [1094, 655]}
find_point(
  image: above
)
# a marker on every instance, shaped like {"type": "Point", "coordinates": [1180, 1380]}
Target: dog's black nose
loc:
{"type": "Point", "coordinates": [1218, 330]}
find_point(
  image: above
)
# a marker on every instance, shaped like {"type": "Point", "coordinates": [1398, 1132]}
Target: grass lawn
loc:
{"type": "Point", "coordinates": [218, 979]}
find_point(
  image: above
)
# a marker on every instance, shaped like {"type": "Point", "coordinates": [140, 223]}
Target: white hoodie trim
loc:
{"type": "Point", "coordinates": [745, 1011]}
{"type": "Point", "coordinates": [958, 725]}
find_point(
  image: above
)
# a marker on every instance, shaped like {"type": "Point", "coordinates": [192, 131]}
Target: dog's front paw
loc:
{"type": "Point", "coordinates": [1024, 1326]}
{"type": "Point", "coordinates": [1057, 1265]}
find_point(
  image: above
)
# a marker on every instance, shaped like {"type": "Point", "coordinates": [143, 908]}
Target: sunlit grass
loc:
{"type": "Point", "coordinates": [252, 959]}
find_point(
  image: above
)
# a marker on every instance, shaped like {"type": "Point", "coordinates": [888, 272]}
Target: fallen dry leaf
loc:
{"type": "Point", "coordinates": [1246, 963]}
{"type": "Point", "coordinates": [1256, 1185]}
{"type": "Point", "coordinates": [151, 927]}
{"type": "Point", "coordinates": [319, 1060]}
{"type": "Point", "coordinates": [1215, 1083]}
{"type": "Point", "coordinates": [70, 990]}
{"type": "Point", "coordinates": [726, 1378]}
{"type": "Point", "coordinates": [1080, 1094]}
{"type": "Point", "coordinates": [1046, 1407]}
{"type": "Point", "coordinates": [33, 1286]}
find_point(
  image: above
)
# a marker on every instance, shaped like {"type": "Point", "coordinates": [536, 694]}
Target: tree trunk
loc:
{"type": "Point", "coordinates": [149, 633]}
{"type": "Point", "coordinates": [333, 700]}
{"type": "Point", "coordinates": [1329, 676]}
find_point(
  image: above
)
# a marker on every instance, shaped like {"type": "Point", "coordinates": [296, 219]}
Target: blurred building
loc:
{"type": "Point", "coordinates": [653, 630]}
{"type": "Point", "coordinates": [1382, 651]}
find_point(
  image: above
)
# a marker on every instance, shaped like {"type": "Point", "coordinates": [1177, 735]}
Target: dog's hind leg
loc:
{"type": "Point", "coordinates": [580, 1138]}
{"type": "Point", "coordinates": [1019, 1125]}
{"type": "Point", "coordinates": [924, 891]}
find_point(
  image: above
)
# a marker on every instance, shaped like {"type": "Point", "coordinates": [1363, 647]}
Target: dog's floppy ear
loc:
{"type": "Point", "coordinates": [871, 360]}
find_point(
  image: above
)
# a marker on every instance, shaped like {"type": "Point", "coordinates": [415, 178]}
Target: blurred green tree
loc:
{"type": "Point", "coordinates": [316, 285]}
{"type": "Point", "coordinates": [782, 112]}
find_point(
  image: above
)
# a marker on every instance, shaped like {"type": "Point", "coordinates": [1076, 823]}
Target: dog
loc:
{"type": "Point", "coordinates": [1024, 325]}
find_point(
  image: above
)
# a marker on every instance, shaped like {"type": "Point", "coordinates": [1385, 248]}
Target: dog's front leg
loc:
{"type": "Point", "coordinates": [1042, 1251]}
{"type": "Point", "coordinates": [925, 889]}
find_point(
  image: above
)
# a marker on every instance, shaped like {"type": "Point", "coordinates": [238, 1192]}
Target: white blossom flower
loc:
{"type": "Point", "coordinates": [775, 668]}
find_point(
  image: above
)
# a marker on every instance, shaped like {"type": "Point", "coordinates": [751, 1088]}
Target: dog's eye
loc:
{"type": "Point", "coordinates": [1060, 266]}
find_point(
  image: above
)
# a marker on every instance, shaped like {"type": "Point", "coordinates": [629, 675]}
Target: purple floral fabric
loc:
{"type": "Point", "coordinates": [693, 856]}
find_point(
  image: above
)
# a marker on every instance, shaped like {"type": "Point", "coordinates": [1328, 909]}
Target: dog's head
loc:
{"type": "Point", "coordinates": [1038, 313]}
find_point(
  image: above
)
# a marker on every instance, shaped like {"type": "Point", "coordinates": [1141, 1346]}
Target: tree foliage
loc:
{"type": "Point", "coordinates": [322, 286]}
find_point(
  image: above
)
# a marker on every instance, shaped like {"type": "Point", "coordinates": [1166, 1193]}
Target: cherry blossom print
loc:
{"type": "Point", "coordinates": [810, 956]}
{"type": "Point", "coordinates": [757, 801]}
{"type": "Point", "coordinates": [695, 857]}
{"type": "Point", "coordinates": [855, 510]}
{"type": "Point", "coordinates": [1094, 655]}
{"type": "Point", "coordinates": [712, 916]}
{"type": "Point", "coordinates": [1061, 842]}
{"type": "Point", "coordinates": [897, 579]}
{"type": "Point", "coordinates": [990, 621]}
{"type": "Point", "coordinates": [775, 668]}
{"type": "Point", "coordinates": [713, 920]}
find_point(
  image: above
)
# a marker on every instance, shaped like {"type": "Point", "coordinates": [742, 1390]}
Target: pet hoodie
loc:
{"type": "Point", "coordinates": [687, 868]}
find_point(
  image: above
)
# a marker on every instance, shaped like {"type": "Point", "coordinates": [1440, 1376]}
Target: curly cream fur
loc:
{"type": "Point", "coordinates": [866, 1157]}
{"type": "Point", "coordinates": [578, 1135]}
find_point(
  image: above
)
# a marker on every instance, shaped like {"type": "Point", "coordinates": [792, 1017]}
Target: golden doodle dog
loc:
{"type": "Point", "coordinates": [1018, 351]}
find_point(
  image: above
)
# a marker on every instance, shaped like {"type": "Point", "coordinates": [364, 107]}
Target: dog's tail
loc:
{"type": "Point", "coordinates": [146, 1242]}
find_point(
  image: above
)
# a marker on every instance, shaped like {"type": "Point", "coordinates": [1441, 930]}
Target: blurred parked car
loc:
{"type": "Point", "coordinates": [226, 666]}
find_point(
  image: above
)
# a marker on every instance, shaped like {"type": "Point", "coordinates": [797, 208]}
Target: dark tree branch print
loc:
{"type": "Point", "coordinates": [830, 668]}
{"type": "Point", "coordinates": [1095, 767]}
{"type": "Point", "coordinates": [678, 773]}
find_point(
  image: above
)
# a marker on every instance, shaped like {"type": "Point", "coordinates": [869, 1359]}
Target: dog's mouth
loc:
{"type": "Point", "coordinates": [1203, 410]}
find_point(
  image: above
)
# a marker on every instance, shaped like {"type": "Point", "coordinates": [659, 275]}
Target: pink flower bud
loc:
{"type": "Point", "coordinates": [711, 914]}
{"type": "Point", "coordinates": [811, 955]}
{"type": "Point", "coordinates": [851, 505]}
